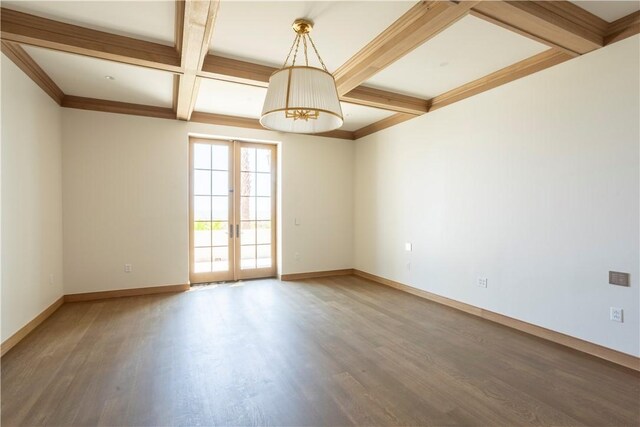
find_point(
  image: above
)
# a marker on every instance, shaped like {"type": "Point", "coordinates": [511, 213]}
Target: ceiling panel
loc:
{"type": "Point", "coordinates": [609, 10]}
{"type": "Point", "coordinates": [83, 76]}
{"type": "Point", "coordinates": [468, 50]}
{"type": "Point", "coordinates": [261, 31]}
{"type": "Point", "coordinates": [232, 99]}
{"type": "Point", "coordinates": [358, 116]}
{"type": "Point", "coordinates": [147, 20]}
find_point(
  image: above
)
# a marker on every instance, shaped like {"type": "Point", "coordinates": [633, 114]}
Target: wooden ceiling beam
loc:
{"type": "Point", "coordinates": [622, 28]}
{"type": "Point", "coordinates": [105, 106]}
{"type": "Point", "coordinates": [199, 19]}
{"type": "Point", "coordinates": [33, 30]}
{"type": "Point", "coordinates": [508, 74]}
{"type": "Point", "coordinates": [385, 100]}
{"type": "Point", "coordinates": [22, 59]}
{"type": "Point", "coordinates": [559, 24]}
{"type": "Point", "coordinates": [421, 23]}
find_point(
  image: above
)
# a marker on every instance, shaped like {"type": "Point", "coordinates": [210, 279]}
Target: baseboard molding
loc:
{"type": "Point", "coordinates": [316, 274]}
{"type": "Point", "coordinates": [92, 296]}
{"type": "Point", "coordinates": [596, 350]}
{"type": "Point", "coordinates": [14, 339]}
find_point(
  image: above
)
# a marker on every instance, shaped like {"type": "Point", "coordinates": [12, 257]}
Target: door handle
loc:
{"type": "Point", "coordinates": [231, 231]}
{"type": "Point", "coordinates": [238, 231]}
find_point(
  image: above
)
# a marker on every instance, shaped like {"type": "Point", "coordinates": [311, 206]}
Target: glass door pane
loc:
{"type": "Point", "coordinates": [211, 233]}
{"type": "Point", "coordinates": [256, 210]}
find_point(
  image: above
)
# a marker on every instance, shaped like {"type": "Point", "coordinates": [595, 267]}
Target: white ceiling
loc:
{"type": "Point", "coordinates": [83, 76]}
{"type": "Point", "coordinates": [147, 20]}
{"type": "Point", "coordinates": [261, 31]}
{"type": "Point", "coordinates": [235, 99]}
{"type": "Point", "coordinates": [232, 99]}
{"type": "Point", "coordinates": [609, 10]}
{"type": "Point", "coordinates": [357, 116]}
{"type": "Point", "coordinates": [468, 50]}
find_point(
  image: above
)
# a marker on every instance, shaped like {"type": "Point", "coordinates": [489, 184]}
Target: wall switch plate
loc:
{"type": "Point", "coordinates": [483, 282]}
{"type": "Point", "coordinates": [296, 221]}
{"type": "Point", "coordinates": [618, 278]}
{"type": "Point", "coordinates": [408, 247]}
{"type": "Point", "coordinates": [615, 314]}
{"type": "Point", "coordinates": [127, 268]}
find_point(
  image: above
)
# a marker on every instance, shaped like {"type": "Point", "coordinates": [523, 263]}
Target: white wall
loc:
{"type": "Point", "coordinates": [31, 200]}
{"type": "Point", "coordinates": [125, 185]}
{"type": "Point", "coordinates": [533, 185]}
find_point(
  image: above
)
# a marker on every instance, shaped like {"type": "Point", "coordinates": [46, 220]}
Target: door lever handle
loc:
{"type": "Point", "coordinates": [238, 231]}
{"type": "Point", "coordinates": [231, 231]}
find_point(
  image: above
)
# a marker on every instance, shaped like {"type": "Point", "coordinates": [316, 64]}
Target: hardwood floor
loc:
{"type": "Point", "coordinates": [332, 351]}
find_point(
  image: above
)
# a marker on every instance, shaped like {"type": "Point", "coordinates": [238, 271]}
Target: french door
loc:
{"type": "Point", "coordinates": [232, 210]}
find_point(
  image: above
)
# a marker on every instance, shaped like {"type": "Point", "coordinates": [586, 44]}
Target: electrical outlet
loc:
{"type": "Point", "coordinates": [482, 282]}
{"type": "Point", "coordinates": [127, 268]}
{"type": "Point", "coordinates": [51, 279]}
{"type": "Point", "coordinates": [408, 266]}
{"type": "Point", "coordinates": [615, 314]}
{"type": "Point", "coordinates": [297, 256]}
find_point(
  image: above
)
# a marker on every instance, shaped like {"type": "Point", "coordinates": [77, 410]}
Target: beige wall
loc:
{"type": "Point", "coordinates": [533, 185]}
{"type": "Point", "coordinates": [31, 200]}
{"type": "Point", "coordinates": [125, 185]}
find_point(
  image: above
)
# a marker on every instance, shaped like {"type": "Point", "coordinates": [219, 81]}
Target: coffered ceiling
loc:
{"type": "Point", "coordinates": [210, 61]}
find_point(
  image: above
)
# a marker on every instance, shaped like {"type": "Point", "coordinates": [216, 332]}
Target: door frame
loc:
{"type": "Point", "coordinates": [235, 272]}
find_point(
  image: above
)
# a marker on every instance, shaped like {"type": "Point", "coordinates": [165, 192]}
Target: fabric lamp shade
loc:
{"type": "Point", "coordinates": [302, 99]}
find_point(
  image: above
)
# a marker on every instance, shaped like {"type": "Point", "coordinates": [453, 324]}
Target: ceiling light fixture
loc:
{"type": "Point", "coordinates": [109, 77]}
{"type": "Point", "coordinates": [301, 98]}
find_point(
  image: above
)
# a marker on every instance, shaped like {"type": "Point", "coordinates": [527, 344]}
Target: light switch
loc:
{"type": "Point", "coordinates": [296, 221]}
{"type": "Point", "coordinates": [408, 247]}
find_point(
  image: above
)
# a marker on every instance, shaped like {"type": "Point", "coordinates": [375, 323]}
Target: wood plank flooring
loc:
{"type": "Point", "coordinates": [332, 352]}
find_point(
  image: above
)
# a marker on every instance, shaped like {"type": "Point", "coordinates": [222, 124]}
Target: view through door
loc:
{"type": "Point", "coordinates": [232, 207]}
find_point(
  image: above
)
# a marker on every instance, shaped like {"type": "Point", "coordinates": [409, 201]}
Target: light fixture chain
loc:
{"type": "Point", "coordinates": [317, 54]}
{"type": "Point", "coordinates": [306, 58]}
{"type": "Point", "coordinates": [290, 50]}
{"type": "Point", "coordinates": [295, 54]}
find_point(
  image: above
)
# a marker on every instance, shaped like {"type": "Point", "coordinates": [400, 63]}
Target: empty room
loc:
{"type": "Point", "coordinates": [320, 213]}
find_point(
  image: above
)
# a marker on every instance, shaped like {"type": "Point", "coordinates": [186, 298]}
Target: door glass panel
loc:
{"type": "Point", "coordinates": [263, 232]}
{"type": "Point", "coordinates": [201, 234]}
{"type": "Point", "coordinates": [263, 208]}
{"type": "Point", "coordinates": [220, 258]}
{"type": "Point", "coordinates": [264, 256]}
{"type": "Point", "coordinates": [247, 184]}
{"type": "Point", "coordinates": [220, 157]}
{"type": "Point", "coordinates": [220, 183]}
{"type": "Point", "coordinates": [202, 208]}
{"type": "Point", "coordinates": [247, 257]}
{"type": "Point", "coordinates": [220, 208]}
{"type": "Point", "coordinates": [220, 233]}
{"type": "Point", "coordinates": [201, 156]}
{"type": "Point", "coordinates": [247, 159]}
{"type": "Point", "coordinates": [201, 182]}
{"type": "Point", "coordinates": [247, 208]}
{"type": "Point", "coordinates": [202, 260]}
{"type": "Point", "coordinates": [263, 184]}
{"type": "Point", "coordinates": [263, 160]}
{"type": "Point", "coordinates": [248, 232]}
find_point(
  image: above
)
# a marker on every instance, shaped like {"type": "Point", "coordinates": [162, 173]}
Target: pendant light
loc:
{"type": "Point", "coordinates": [302, 98]}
